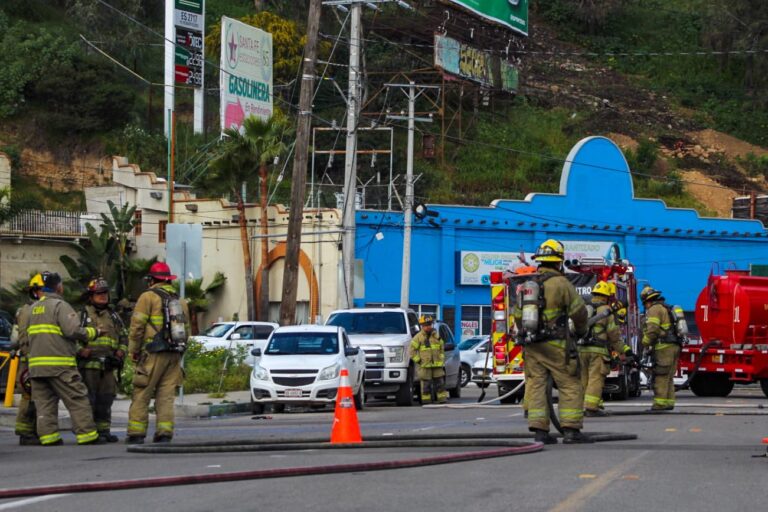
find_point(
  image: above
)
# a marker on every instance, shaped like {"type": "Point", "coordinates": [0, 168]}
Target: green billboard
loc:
{"type": "Point", "coordinates": [510, 13]}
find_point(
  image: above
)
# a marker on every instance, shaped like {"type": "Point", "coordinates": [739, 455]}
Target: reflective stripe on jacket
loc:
{"type": "Point", "coordinates": [53, 330]}
{"type": "Point", "coordinates": [657, 325]}
{"type": "Point", "coordinates": [605, 335]}
{"type": "Point", "coordinates": [148, 317]}
{"type": "Point", "coordinates": [560, 298]}
{"type": "Point", "coordinates": [427, 350]}
{"type": "Point", "coordinates": [106, 344]}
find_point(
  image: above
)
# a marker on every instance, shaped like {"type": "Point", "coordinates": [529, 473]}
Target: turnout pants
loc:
{"type": "Point", "coordinates": [541, 360]}
{"type": "Point", "coordinates": [664, 368]}
{"type": "Point", "coordinates": [67, 386]}
{"type": "Point", "coordinates": [594, 369]}
{"type": "Point", "coordinates": [26, 416]}
{"type": "Point", "coordinates": [102, 387]}
{"type": "Point", "coordinates": [157, 375]}
{"type": "Point", "coordinates": [432, 385]}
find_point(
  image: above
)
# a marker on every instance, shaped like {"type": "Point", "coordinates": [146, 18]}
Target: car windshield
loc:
{"type": "Point", "coordinates": [216, 330]}
{"type": "Point", "coordinates": [379, 322]}
{"type": "Point", "coordinates": [470, 343]}
{"type": "Point", "coordinates": [303, 343]}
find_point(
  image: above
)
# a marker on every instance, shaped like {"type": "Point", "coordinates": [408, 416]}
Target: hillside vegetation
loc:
{"type": "Point", "coordinates": [589, 67]}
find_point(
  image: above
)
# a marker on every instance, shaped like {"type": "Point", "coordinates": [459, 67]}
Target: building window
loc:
{"type": "Point", "coordinates": [137, 219]}
{"type": "Point", "coordinates": [475, 320]}
{"type": "Point", "coordinates": [161, 231]}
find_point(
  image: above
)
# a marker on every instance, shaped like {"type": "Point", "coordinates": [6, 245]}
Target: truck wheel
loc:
{"type": "Point", "coordinates": [711, 385]}
{"type": "Point", "coordinates": [455, 392]}
{"type": "Point", "coordinates": [637, 390]}
{"type": "Point", "coordinates": [278, 408]}
{"type": "Point", "coordinates": [256, 408]}
{"type": "Point", "coordinates": [466, 374]}
{"type": "Point", "coordinates": [515, 398]}
{"type": "Point", "coordinates": [360, 397]}
{"type": "Point", "coordinates": [623, 392]}
{"type": "Point", "coordinates": [404, 397]}
{"type": "Point", "coordinates": [764, 386]}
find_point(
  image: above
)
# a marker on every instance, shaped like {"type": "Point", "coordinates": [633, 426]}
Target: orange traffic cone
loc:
{"type": "Point", "coordinates": [345, 427]}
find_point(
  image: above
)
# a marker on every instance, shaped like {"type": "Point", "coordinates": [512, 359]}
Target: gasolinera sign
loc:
{"type": "Point", "coordinates": [246, 73]}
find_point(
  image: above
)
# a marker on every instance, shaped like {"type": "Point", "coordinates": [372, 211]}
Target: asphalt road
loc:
{"type": "Point", "coordinates": [680, 462]}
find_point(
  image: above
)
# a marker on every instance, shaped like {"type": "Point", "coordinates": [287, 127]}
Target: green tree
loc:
{"type": "Point", "coordinates": [199, 297]}
{"type": "Point", "coordinates": [234, 163]}
{"type": "Point", "coordinates": [119, 224]}
{"type": "Point", "coordinates": [95, 257]}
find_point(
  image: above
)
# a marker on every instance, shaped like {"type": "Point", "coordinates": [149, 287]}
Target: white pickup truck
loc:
{"type": "Point", "coordinates": [385, 336]}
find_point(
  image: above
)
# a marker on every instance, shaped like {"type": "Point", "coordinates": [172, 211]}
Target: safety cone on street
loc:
{"type": "Point", "coordinates": [345, 427]}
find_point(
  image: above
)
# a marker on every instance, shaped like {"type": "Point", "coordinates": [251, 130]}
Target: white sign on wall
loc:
{"type": "Point", "coordinates": [246, 73]}
{"type": "Point", "coordinates": [475, 267]}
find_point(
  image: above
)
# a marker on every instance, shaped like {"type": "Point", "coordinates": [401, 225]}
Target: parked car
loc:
{"type": "Point", "coordinates": [470, 350]}
{"type": "Point", "coordinates": [6, 324]}
{"type": "Point", "coordinates": [301, 365]}
{"type": "Point", "coordinates": [233, 335]}
{"type": "Point", "coordinates": [385, 335]}
{"type": "Point", "coordinates": [480, 367]}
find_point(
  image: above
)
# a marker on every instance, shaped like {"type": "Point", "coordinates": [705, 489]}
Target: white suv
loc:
{"type": "Point", "coordinates": [301, 365]}
{"type": "Point", "coordinates": [385, 335]}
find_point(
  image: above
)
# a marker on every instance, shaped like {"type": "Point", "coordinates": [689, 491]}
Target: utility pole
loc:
{"type": "Point", "coordinates": [170, 58]}
{"type": "Point", "coordinates": [412, 93]}
{"type": "Point", "coordinates": [350, 160]}
{"type": "Point", "coordinates": [299, 176]}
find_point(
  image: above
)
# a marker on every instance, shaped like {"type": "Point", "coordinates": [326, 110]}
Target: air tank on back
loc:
{"type": "Point", "coordinates": [733, 308]}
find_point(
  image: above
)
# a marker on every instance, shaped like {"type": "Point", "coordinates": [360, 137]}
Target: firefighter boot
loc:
{"type": "Point", "coordinates": [134, 440]}
{"type": "Point", "coordinates": [599, 413]}
{"type": "Point", "coordinates": [159, 438]}
{"type": "Point", "coordinates": [542, 436]}
{"type": "Point", "coordinates": [29, 440]}
{"type": "Point", "coordinates": [574, 436]}
{"type": "Point", "coordinates": [108, 437]}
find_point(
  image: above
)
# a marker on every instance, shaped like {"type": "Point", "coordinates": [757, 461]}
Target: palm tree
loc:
{"type": "Point", "coordinates": [234, 162]}
{"type": "Point", "coordinates": [267, 137]}
{"type": "Point", "coordinates": [197, 296]}
{"type": "Point", "coordinates": [119, 224]}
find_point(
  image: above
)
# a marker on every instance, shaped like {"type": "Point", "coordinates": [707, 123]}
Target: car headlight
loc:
{"type": "Point", "coordinates": [260, 373]}
{"type": "Point", "coordinates": [396, 354]}
{"type": "Point", "coordinates": [331, 372]}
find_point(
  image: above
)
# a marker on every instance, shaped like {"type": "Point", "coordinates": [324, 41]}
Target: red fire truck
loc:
{"type": "Point", "coordinates": [507, 358]}
{"type": "Point", "coordinates": [732, 318]}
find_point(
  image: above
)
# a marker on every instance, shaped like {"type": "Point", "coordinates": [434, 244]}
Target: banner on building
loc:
{"type": "Point", "coordinates": [468, 62]}
{"type": "Point", "coordinates": [189, 24]}
{"type": "Point", "coordinates": [246, 73]}
{"type": "Point", "coordinates": [475, 267]}
{"type": "Point", "coordinates": [513, 14]}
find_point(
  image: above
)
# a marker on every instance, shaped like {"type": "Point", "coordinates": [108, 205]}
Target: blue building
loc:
{"type": "Point", "coordinates": [595, 213]}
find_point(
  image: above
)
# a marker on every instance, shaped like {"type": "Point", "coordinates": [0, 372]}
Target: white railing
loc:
{"type": "Point", "coordinates": [50, 223]}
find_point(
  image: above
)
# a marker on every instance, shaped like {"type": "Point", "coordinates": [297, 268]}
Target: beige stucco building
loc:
{"type": "Point", "coordinates": [221, 242]}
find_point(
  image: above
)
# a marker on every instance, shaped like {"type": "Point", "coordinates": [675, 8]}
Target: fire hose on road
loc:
{"type": "Point", "coordinates": [500, 444]}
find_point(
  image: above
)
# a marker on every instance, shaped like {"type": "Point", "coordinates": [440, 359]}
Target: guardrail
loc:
{"type": "Point", "coordinates": [57, 223]}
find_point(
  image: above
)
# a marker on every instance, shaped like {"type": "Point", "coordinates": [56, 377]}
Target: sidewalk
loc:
{"type": "Point", "coordinates": [198, 405]}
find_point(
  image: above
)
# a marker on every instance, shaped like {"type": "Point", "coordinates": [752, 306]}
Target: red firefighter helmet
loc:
{"type": "Point", "coordinates": [161, 271]}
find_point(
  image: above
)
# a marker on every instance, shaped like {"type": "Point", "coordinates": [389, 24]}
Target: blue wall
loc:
{"type": "Point", "coordinates": [672, 249]}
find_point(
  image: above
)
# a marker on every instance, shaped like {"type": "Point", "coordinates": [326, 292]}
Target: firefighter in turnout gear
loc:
{"type": "Point", "coordinates": [549, 349]}
{"type": "Point", "coordinates": [157, 340]}
{"type": "Point", "coordinates": [26, 416]}
{"type": "Point", "coordinates": [428, 354]}
{"type": "Point", "coordinates": [595, 350]}
{"type": "Point", "coordinates": [53, 332]}
{"type": "Point", "coordinates": [660, 339]}
{"type": "Point", "coordinates": [100, 358]}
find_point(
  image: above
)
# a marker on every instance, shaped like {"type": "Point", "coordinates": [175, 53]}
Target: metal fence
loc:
{"type": "Point", "coordinates": [50, 223]}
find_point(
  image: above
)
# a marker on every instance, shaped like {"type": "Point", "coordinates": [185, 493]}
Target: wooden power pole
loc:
{"type": "Point", "coordinates": [299, 176]}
